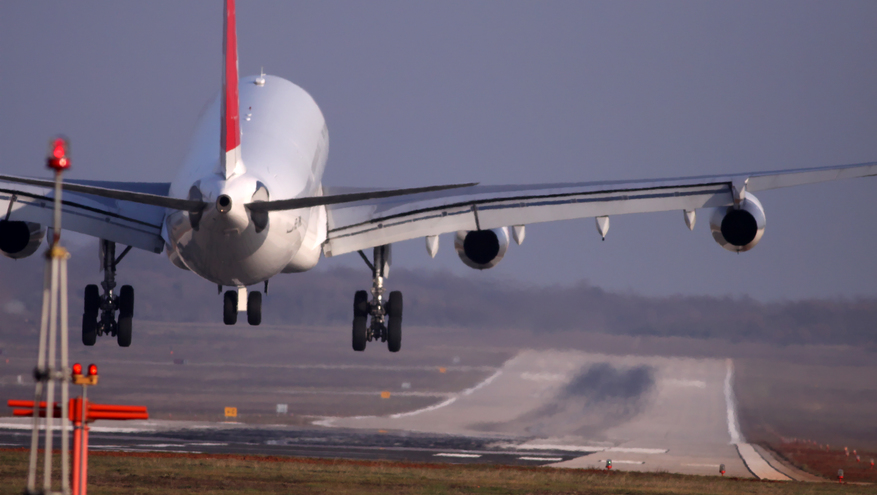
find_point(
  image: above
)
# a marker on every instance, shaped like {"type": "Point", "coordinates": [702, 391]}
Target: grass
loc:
{"type": "Point", "coordinates": [144, 473]}
{"type": "Point", "coordinates": [825, 461]}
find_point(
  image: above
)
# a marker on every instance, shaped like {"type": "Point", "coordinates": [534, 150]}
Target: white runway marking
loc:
{"type": "Point", "coordinates": [636, 450]}
{"type": "Point", "coordinates": [467, 456]}
{"type": "Point", "coordinates": [731, 405]}
{"type": "Point", "coordinates": [12, 425]}
{"type": "Point", "coordinates": [586, 448]}
{"type": "Point", "coordinates": [685, 383]}
{"type": "Point", "coordinates": [450, 401]}
{"type": "Point", "coordinates": [375, 367]}
{"type": "Point", "coordinates": [549, 446]}
{"type": "Point", "coordinates": [545, 459]}
{"type": "Point", "coordinates": [600, 461]}
{"type": "Point", "coordinates": [425, 409]}
{"type": "Point", "coordinates": [485, 383]}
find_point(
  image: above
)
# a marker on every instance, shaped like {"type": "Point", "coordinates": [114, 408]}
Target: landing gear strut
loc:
{"type": "Point", "coordinates": [99, 317]}
{"type": "Point", "coordinates": [386, 317]}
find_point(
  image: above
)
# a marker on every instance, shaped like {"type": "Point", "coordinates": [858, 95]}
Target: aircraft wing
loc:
{"type": "Point", "coordinates": [125, 222]}
{"type": "Point", "coordinates": [364, 224]}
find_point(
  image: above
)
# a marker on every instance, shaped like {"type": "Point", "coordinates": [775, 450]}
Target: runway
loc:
{"type": "Point", "coordinates": [279, 440]}
{"type": "Point", "coordinates": [642, 413]}
{"type": "Point", "coordinates": [564, 409]}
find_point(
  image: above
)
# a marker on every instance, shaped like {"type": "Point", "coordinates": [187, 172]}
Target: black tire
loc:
{"type": "Point", "coordinates": [394, 322]}
{"type": "Point", "coordinates": [123, 332]}
{"type": "Point", "coordinates": [230, 307]}
{"type": "Point", "coordinates": [92, 300]}
{"type": "Point", "coordinates": [394, 304]}
{"type": "Point", "coordinates": [254, 308]}
{"type": "Point", "coordinates": [360, 304]}
{"type": "Point", "coordinates": [359, 331]}
{"type": "Point", "coordinates": [89, 329]}
{"type": "Point", "coordinates": [126, 302]}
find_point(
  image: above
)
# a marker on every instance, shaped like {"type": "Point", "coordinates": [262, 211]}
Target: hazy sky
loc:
{"type": "Point", "coordinates": [419, 93]}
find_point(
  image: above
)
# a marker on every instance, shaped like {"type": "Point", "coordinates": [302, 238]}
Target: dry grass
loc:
{"type": "Point", "coordinates": [228, 474]}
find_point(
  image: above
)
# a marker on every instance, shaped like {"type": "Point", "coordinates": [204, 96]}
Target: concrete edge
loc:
{"type": "Point", "coordinates": [780, 464]}
{"type": "Point", "coordinates": [757, 465]}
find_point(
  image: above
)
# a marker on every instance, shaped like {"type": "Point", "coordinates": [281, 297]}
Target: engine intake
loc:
{"type": "Point", "coordinates": [739, 229]}
{"type": "Point", "coordinates": [482, 249]}
{"type": "Point", "coordinates": [20, 239]}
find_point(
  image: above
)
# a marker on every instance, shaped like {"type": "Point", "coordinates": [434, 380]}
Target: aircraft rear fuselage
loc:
{"type": "Point", "coordinates": [284, 146]}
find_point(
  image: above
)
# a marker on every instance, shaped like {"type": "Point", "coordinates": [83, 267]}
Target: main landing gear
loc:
{"type": "Point", "coordinates": [386, 317]}
{"type": "Point", "coordinates": [105, 305]}
{"type": "Point", "coordinates": [237, 300]}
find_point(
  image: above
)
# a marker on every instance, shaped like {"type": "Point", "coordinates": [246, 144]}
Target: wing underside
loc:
{"type": "Point", "coordinates": [365, 224]}
{"type": "Point", "coordinates": [120, 221]}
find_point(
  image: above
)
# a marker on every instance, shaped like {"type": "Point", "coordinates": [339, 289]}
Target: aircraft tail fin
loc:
{"type": "Point", "coordinates": [230, 137]}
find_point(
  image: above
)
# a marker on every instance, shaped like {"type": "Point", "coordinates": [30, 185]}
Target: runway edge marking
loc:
{"type": "Point", "coordinates": [754, 462]}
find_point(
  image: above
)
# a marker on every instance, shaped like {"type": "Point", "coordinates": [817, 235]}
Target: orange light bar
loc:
{"type": "Point", "coordinates": [115, 408]}
{"type": "Point", "coordinates": [27, 403]}
{"type": "Point", "coordinates": [116, 415]}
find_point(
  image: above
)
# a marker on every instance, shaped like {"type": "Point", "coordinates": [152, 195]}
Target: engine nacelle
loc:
{"type": "Point", "coordinates": [738, 229]}
{"type": "Point", "coordinates": [482, 249]}
{"type": "Point", "coordinates": [20, 239]}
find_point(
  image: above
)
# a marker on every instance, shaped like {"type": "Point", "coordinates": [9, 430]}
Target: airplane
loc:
{"type": "Point", "coordinates": [249, 203]}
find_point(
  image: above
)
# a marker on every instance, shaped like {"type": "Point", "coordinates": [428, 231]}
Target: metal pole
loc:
{"type": "Point", "coordinates": [39, 374]}
{"type": "Point", "coordinates": [47, 371]}
{"type": "Point", "coordinates": [50, 370]}
{"type": "Point", "coordinates": [77, 438]}
{"type": "Point", "coordinates": [83, 444]}
{"type": "Point", "coordinates": [65, 393]}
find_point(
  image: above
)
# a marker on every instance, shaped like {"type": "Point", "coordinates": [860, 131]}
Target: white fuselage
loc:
{"type": "Point", "coordinates": [284, 146]}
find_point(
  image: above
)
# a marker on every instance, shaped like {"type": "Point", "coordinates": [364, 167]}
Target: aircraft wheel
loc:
{"type": "Point", "coordinates": [394, 323]}
{"type": "Point", "coordinates": [254, 308]}
{"type": "Point", "coordinates": [360, 304]}
{"type": "Point", "coordinates": [126, 302]}
{"type": "Point", "coordinates": [230, 307]}
{"type": "Point", "coordinates": [123, 332]}
{"type": "Point", "coordinates": [359, 332]}
{"type": "Point", "coordinates": [92, 300]}
{"type": "Point", "coordinates": [89, 328]}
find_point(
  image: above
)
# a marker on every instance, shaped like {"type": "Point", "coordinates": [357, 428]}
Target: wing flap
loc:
{"type": "Point", "coordinates": [382, 221]}
{"type": "Point", "coordinates": [101, 189]}
{"type": "Point", "coordinates": [360, 227]}
{"type": "Point", "coordinates": [124, 222]}
{"type": "Point", "coordinates": [800, 177]}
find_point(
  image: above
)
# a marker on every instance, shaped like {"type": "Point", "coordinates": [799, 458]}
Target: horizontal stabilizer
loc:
{"type": "Point", "coordinates": [295, 203]}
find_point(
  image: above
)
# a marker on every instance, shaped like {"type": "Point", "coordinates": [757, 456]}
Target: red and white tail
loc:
{"type": "Point", "coordinates": [230, 137]}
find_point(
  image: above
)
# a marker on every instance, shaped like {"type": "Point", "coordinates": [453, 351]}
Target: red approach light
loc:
{"type": "Point", "coordinates": [58, 151]}
{"type": "Point", "coordinates": [92, 370]}
{"type": "Point", "coordinates": [77, 369]}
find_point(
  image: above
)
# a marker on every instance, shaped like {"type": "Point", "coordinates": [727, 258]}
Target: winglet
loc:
{"type": "Point", "coordinates": [230, 134]}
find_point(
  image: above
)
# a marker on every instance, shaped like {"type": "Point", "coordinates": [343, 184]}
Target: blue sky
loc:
{"type": "Point", "coordinates": [419, 93]}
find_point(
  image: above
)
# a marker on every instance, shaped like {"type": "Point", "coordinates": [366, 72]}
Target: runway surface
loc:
{"type": "Point", "coordinates": [192, 437]}
{"type": "Point", "coordinates": [642, 413]}
{"type": "Point", "coordinates": [540, 408]}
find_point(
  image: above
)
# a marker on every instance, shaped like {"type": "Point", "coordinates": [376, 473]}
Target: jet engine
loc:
{"type": "Point", "coordinates": [482, 249]}
{"type": "Point", "coordinates": [738, 229]}
{"type": "Point", "coordinates": [20, 239]}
